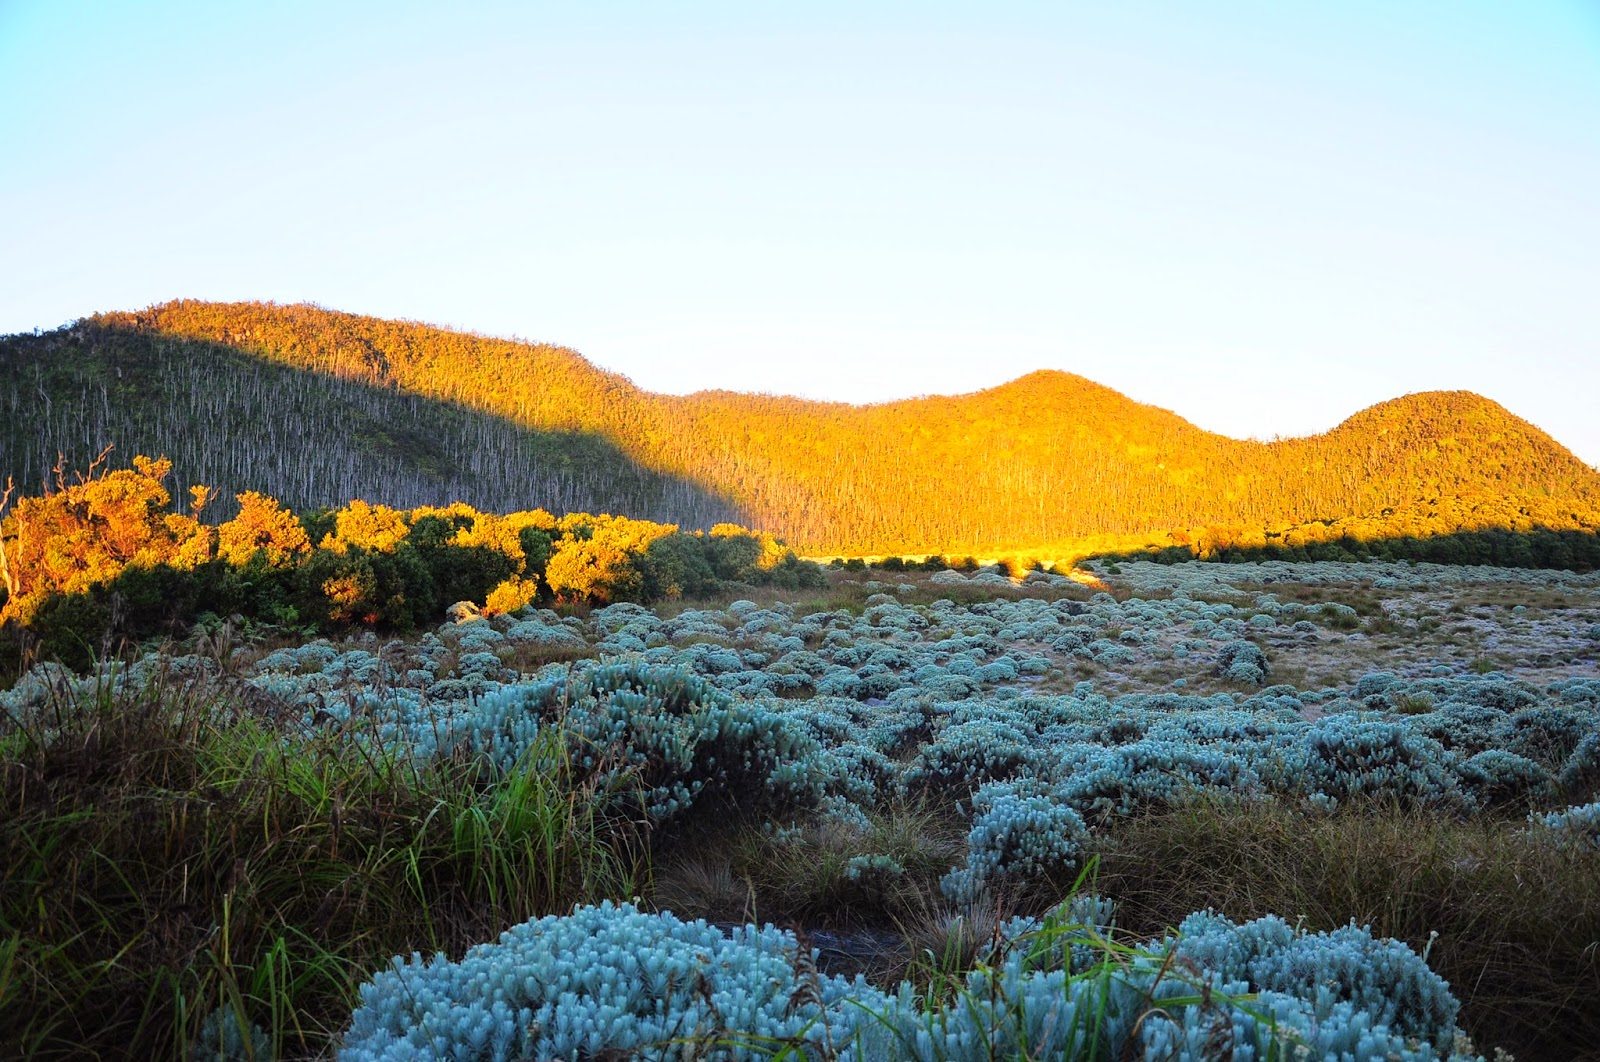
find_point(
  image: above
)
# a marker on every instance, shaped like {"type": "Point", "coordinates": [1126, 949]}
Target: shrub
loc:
{"type": "Point", "coordinates": [1357, 984]}
{"type": "Point", "coordinates": [146, 571]}
{"type": "Point", "coordinates": [1341, 757]}
{"type": "Point", "coordinates": [262, 526]}
{"type": "Point", "coordinates": [606, 981]}
{"type": "Point", "coordinates": [1576, 825]}
{"type": "Point", "coordinates": [1499, 778]}
{"type": "Point", "coordinates": [674, 566]}
{"type": "Point", "coordinates": [1020, 836]}
{"type": "Point", "coordinates": [612, 980]}
{"type": "Point", "coordinates": [1243, 662]}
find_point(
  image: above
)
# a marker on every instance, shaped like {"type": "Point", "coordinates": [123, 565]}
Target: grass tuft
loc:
{"type": "Point", "coordinates": [1517, 920]}
{"type": "Point", "coordinates": [167, 852]}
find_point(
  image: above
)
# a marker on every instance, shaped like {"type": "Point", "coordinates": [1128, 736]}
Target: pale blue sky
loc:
{"type": "Point", "coordinates": [1262, 215]}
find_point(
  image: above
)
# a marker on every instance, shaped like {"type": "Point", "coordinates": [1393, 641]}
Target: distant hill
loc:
{"type": "Point", "coordinates": [317, 407]}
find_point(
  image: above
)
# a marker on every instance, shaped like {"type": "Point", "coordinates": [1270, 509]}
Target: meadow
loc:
{"type": "Point", "coordinates": [828, 659]}
{"type": "Point", "coordinates": [1256, 810]}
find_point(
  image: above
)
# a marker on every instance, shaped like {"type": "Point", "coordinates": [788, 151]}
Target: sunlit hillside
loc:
{"type": "Point", "coordinates": [316, 407]}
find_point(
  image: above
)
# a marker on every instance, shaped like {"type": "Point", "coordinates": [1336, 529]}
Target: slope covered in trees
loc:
{"type": "Point", "coordinates": [316, 407]}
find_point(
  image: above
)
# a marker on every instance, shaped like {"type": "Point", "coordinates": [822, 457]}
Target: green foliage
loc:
{"type": "Point", "coordinates": [72, 628]}
{"type": "Point", "coordinates": [461, 572]}
{"type": "Point", "coordinates": [100, 563]}
{"type": "Point", "coordinates": [1429, 539]}
{"type": "Point", "coordinates": [536, 549]}
{"type": "Point", "coordinates": [171, 861]}
{"type": "Point", "coordinates": [677, 566]}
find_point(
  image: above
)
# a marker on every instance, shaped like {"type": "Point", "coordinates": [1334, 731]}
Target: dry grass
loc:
{"type": "Point", "coordinates": [704, 887]}
{"type": "Point", "coordinates": [806, 878]}
{"type": "Point", "coordinates": [941, 943]}
{"type": "Point", "coordinates": [165, 852]}
{"type": "Point", "coordinates": [1518, 920]}
{"type": "Point", "coordinates": [527, 658]}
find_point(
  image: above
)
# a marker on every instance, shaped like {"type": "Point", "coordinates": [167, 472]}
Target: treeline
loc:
{"type": "Point", "coordinates": [103, 559]}
{"type": "Point", "coordinates": [1393, 538]}
{"type": "Point", "coordinates": [402, 412]}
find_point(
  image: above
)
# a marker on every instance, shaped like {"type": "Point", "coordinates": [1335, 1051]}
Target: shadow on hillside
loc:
{"type": "Point", "coordinates": [235, 421]}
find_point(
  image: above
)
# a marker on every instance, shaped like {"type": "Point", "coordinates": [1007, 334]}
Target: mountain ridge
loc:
{"type": "Point", "coordinates": [1048, 456]}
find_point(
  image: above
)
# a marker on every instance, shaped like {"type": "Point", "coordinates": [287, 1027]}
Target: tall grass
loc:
{"type": "Point", "coordinates": [167, 852]}
{"type": "Point", "coordinates": [180, 848]}
{"type": "Point", "coordinates": [1517, 919]}
{"type": "Point", "coordinates": [1098, 964]}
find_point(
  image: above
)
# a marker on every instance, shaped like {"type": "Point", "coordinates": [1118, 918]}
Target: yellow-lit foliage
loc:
{"type": "Point", "coordinates": [262, 525]}
{"type": "Point", "coordinates": [369, 570]}
{"type": "Point", "coordinates": [510, 595]}
{"type": "Point", "coordinates": [1047, 458]}
{"type": "Point", "coordinates": [84, 533]}
{"type": "Point", "coordinates": [594, 559]}
{"type": "Point", "coordinates": [193, 543]}
{"type": "Point", "coordinates": [501, 533]}
{"type": "Point", "coordinates": [364, 526]}
{"type": "Point", "coordinates": [350, 595]}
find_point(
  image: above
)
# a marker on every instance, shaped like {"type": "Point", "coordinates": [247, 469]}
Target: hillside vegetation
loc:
{"type": "Point", "coordinates": [316, 407]}
{"type": "Point", "coordinates": [101, 560]}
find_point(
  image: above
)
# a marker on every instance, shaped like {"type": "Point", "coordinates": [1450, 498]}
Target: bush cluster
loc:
{"type": "Point", "coordinates": [103, 560]}
{"type": "Point", "coordinates": [612, 980]}
{"type": "Point", "coordinates": [814, 719]}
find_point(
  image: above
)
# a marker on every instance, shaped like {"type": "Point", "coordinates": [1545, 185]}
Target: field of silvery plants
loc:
{"type": "Point", "coordinates": [929, 816]}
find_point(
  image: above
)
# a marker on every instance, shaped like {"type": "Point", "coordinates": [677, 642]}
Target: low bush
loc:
{"type": "Point", "coordinates": [613, 980]}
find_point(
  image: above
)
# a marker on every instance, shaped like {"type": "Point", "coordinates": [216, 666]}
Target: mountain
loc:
{"type": "Point", "coordinates": [317, 407]}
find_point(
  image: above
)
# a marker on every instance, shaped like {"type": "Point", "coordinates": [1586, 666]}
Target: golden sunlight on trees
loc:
{"type": "Point", "coordinates": [409, 413]}
{"type": "Point", "coordinates": [105, 555]}
{"type": "Point", "coordinates": [363, 526]}
{"type": "Point", "coordinates": [262, 526]}
{"type": "Point", "coordinates": [597, 558]}
{"type": "Point", "coordinates": [86, 532]}
{"type": "Point", "coordinates": [511, 594]}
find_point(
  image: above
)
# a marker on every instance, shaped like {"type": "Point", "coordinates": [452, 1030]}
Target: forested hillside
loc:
{"type": "Point", "coordinates": [317, 407]}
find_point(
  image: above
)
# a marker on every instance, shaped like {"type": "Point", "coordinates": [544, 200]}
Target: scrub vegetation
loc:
{"type": "Point", "coordinates": [396, 741]}
{"type": "Point", "coordinates": [1168, 811]}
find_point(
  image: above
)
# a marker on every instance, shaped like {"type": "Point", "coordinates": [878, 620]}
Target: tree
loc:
{"type": "Point", "coordinates": [264, 526]}
{"type": "Point", "coordinates": [7, 577]}
{"type": "Point", "coordinates": [83, 534]}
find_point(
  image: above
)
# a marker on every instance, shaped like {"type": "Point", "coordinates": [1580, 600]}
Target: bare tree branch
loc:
{"type": "Point", "coordinates": [6, 574]}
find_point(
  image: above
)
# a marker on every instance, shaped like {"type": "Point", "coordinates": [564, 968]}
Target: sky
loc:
{"type": "Point", "coordinates": [1264, 216]}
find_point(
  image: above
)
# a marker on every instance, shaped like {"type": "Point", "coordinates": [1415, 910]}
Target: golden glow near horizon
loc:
{"type": "Point", "coordinates": [1055, 465]}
